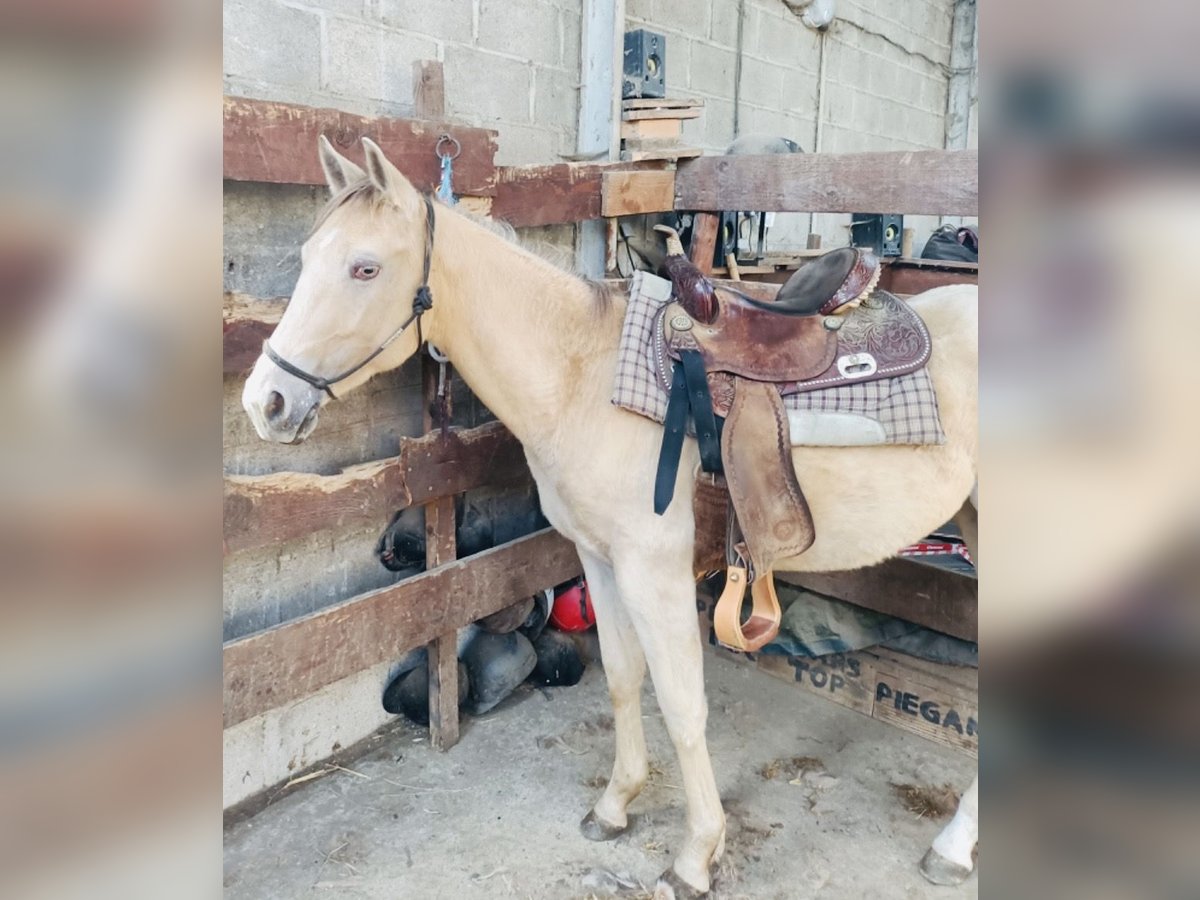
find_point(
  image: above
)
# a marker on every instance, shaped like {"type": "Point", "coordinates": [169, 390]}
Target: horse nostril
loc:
{"type": "Point", "coordinates": [274, 407]}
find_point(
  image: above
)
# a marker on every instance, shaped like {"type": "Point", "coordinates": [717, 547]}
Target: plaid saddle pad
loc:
{"type": "Point", "coordinates": [898, 410]}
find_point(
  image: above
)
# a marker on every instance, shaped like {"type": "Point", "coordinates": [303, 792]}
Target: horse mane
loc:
{"type": "Point", "coordinates": [364, 190]}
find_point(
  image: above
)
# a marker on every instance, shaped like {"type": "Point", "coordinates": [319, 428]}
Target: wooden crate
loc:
{"type": "Point", "coordinates": [938, 702]}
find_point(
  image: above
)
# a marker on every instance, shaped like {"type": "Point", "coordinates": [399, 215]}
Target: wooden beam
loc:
{"type": "Point", "coordinates": [246, 323]}
{"type": "Point", "coordinates": [908, 277]}
{"type": "Point", "coordinates": [440, 547]}
{"type": "Point", "coordinates": [277, 142]}
{"type": "Point", "coordinates": [292, 660]}
{"type": "Point", "coordinates": [917, 592]}
{"type": "Point", "coordinates": [704, 241]}
{"type": "Point", "coordinates": [266, 509]}
{"type": "Point", "coordinates": [635, 193]}
{"type": "Point", "coordinates": [558, 194]}
{"type": "Point", "coordinates": [926, 182]}
{"type": "Point", "coordinates": [429, 89]}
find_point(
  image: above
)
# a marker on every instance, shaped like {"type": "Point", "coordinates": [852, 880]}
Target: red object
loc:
{"type": "Point", "coordinates": [572, 610]}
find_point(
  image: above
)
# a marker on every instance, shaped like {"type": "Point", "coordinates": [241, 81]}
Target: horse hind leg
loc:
{"type": "Point", "coordinates": [967, 520]}
{"type": "Point", "coordinates": [661, 601]}
{"type": "Point", "coordinates": [624, 669]}
{"type": "Point", "coordinates": [950, 859]}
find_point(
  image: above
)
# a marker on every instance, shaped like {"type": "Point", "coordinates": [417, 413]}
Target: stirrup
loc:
{"type": "Point", "coordinates": [765, 615]}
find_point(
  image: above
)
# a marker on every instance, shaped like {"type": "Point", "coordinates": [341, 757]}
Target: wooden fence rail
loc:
{"type": "Point", "coordinates": [275, 666]}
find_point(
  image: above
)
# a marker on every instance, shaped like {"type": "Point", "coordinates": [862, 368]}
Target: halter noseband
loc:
{"type": "Point", "coordinates": [422, 301]}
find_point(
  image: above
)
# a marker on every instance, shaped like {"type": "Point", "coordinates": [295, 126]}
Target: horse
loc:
{"type": "Point", "coordinates": [538, 346]}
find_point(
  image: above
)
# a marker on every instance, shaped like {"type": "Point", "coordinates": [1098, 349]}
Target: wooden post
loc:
{"type": "Point", "coordinates": [704, 241]}
{"type": "Point", "coordinates": [440, 548]}
{"type": "Point", "coordinates": [429, 89]}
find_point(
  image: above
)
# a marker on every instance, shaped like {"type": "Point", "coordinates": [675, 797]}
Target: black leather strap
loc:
{"type": "Point", "coordinates": [689, 393]}
{"type": "Point", "coordinates": [674, 428]}
{"type": "Point", "coordinates": [700, 400]}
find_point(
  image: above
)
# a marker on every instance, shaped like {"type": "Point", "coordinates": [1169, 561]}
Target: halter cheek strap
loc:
{"type": "Point", "coordinates": [422, 302]}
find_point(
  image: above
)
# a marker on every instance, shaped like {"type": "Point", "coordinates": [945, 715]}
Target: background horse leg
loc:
{"type": "Point", "coordinates": [949, 860]}
{"type": "Point", "coordinates": [624, 669]}
{"type": "Point", "coordinates": [967, 520]}
{"type": "Point", "coordinates": [660, 597]}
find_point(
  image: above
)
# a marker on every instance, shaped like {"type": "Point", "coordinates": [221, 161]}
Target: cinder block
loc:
{"type": "Point", "coordinates": [290, 56]}
{"type": "Point", "coordinates": [447, 21]}
{"type": "Point", "coordinates": [522, 145]}
{"type": "Point", "coordinates": [555, 99]}
{"type": "Point", "coordinates": [400, 51]}
{"type": "Point", "coordinates": [840, 104]}
{"type": "Point", "coordinates": [717, 124]}
{"type": "Point", "coordinates": [762, 82]}
{"type": "Point", "coordinates": [525, 28]}
{"type": "Point", "coordinates": [687, 16]}
{"type": "Point", "coordinates": [353, 59]}
{"type": "Point", "coordinates": [722, 27]}
{"type": "Point", "coordinates": [799, 92]}
{"type": "Point", "coordinates": [482, 87]}
{"type": "Point", "coordinates": [639, 11]}
{"type": "Point", "coordinates": [712, 69]}
{"type": "Point", "coordinates": [786, 41]}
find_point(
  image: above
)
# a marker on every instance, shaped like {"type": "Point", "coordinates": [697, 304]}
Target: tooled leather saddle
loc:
{"type": "Point", "coordinates": [827, 327]}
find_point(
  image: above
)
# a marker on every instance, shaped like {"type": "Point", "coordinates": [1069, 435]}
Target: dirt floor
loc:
{"type": "Point", "coordinates": [821, 802]}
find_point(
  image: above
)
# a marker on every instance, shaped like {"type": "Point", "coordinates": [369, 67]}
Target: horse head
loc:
{"type": "Point", "coordinates": [361, 300]}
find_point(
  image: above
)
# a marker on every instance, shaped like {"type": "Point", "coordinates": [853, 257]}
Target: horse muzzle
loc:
{"type": "Point", "coordinates": [282, 408]}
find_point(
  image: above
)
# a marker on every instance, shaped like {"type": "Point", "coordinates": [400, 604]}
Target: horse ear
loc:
{"type": "Point", "coordinates": [386, 177]}
{"type": "Point", "coordinates": [339, 171]}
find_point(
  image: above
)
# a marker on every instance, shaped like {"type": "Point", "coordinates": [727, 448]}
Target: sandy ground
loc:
{"type": "Point", "coordinates": [807, 788]}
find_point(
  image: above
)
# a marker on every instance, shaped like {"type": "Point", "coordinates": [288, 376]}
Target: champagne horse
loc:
{"type": "Point", "coordinates": [385, 269]}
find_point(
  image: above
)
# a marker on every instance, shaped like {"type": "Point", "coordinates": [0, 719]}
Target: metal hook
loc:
{"type": "Point", "coordinates": [447, 139]}
{"type": "Point", "coordinates": [438, 355]}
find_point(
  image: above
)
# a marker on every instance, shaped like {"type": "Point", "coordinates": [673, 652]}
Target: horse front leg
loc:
{"type": "Point", "coordinates": [950, 858]}
{"type": "Point", "coordinates": [660, 597]}
{"type": "Point", "coordinates": [624, 669]}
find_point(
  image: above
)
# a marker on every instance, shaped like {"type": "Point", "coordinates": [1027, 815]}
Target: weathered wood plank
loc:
{"type": "Point", "coordinates": [265, 509]}
{"type": "Point", "coordinates": [936, 598]}
{"type": "Point", "coordinates": [429, 89]}
{"type": "Point", "coordinates": [634, 193]}
{"type": "Point", "coordinates": [928, 182]}
{"type": "Point", "coordinates": [906, 277]}
{"type": "Point", "coordinates": [660, 103]}
{"type": "Point", "coordinates": [277, 142]}
{"type": "Point", "coordinates": [704, 241]}
{"type": "Point", "coordinates": [246, 323]}
{"type": "Point", "coordinates": [528, 196]}
{"type": "Point", "coordinates": [661, 112]}
{"type": "Point", "coordinates": [292, 660]}
{"type": "Point", "coordinates": [440, 547]}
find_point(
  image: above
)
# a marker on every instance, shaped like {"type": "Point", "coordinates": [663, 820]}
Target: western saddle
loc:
{"type": "Point", "coordinates": [727, 386]}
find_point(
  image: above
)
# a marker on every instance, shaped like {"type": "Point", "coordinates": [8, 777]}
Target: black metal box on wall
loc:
{"type": "Point", "coordinates": [882, 232]}
{"type": "Point", "coordinates": [645, 65]}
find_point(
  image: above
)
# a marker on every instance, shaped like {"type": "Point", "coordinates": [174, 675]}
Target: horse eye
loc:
{"type": "Point", "coordinates": [364, 271]}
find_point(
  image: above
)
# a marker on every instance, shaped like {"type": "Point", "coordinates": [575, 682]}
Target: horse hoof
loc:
{"type": "Point", "coordinates": [671, 887]}
{"type": "Point", "coordinates": [939, 870]}
{"type": "Point", "coordinates": [595, 829]}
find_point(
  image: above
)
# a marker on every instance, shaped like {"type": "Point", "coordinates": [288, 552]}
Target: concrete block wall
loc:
{"type": "Point", "coordinates": [884, 87]}
{"type": "Point", "coordinates": [512, 65]}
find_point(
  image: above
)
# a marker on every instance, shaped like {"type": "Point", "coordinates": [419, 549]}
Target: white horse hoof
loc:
{"type": "Point", "coordinates": [671, 887]}
{"type": "Point", "coordinates": [939, 870]}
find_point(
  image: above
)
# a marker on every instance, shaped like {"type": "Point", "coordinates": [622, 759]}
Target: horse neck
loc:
{"type": "Point", "coordinates": [528, 338]}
